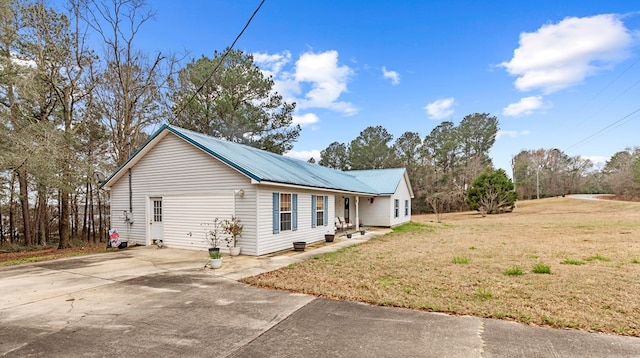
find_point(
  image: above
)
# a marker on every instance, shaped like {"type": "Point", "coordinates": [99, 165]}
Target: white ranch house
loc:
{"type": "Point", "coordinates": [180, 180]}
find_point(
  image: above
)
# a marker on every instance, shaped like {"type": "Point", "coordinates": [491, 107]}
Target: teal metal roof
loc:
{"type": "Point", "coordinates": [383, 181]}
{"type": "Point", "coordinates": [264, 166]}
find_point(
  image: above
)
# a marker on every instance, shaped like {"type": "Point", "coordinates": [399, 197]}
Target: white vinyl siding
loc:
{"type": "Point", "coordinates": [175, 167]}
{"type": "Point", "coordinates": [187, 218]}
{"type": "Point", "coordinates": [269, 241]}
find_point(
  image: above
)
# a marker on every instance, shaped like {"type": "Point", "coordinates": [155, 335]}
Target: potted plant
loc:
{"type": "Point", "coordinates": [234, 229]}
{"type": "Point", "coordinates": [215, 259]}
{"type": "Point", "coordinates": [329, 237]}
{"type": "Point", "coordinates": [299, 245]}
{"type": "Point", "coordinates": [212, 233]}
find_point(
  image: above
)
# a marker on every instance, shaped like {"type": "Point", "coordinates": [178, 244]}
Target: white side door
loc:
{"type": "Point", "coordinates": [155, 223]}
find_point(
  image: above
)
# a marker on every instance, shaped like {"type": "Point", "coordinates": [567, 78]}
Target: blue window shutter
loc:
{"type": "Point", "coordinates": [326, 210]}
{"type": "Point", "coordinates": [313, 211]}
{"type": "Point", "coordinates": [276, 213]}
{"type": "Point", "coordinates": [294, 212]}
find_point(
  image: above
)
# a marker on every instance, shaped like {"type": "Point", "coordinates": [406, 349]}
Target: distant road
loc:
{"type": "Point", "coordinates": [588, 196]}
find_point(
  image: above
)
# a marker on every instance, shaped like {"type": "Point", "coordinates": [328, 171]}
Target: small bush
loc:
{"type": "Point", "coordinates": [541, 268]}
{"type": "Point", "coordinates": [484, 293]}
{"type": "Point", "coordinates": [516, 271]}
{"type": "Point", "coordinates": [460, 260]}
{"type": "Point", "coordinates": [597, 257]}
{"type": "Point", "coordinates": [572, 262]}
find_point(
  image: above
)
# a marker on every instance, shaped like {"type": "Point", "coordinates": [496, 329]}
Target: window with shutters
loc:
{"type": "Point", "coordinates": [320, 210]}
{"type": "Point", "coordinates": [285, 212]}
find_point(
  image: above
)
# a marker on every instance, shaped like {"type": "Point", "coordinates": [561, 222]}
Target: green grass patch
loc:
{"type": "Point", "coordinates": [515, 271]}
{"type": "Point", "coordinates": [572, 262]}
{"type": "Point", "coordinates": [460, 260]}
{"type": "Point", "coordinates": [386, 281]}
{"type": "Point", "coordinates": [635, 261]}
{"type": "Point", "coordinates": [412, 227]}
{"type": "Point", "coordinates": [484, 293]}
{"type": "Point", "coordinates": [541, 268]}
{"type": "Point", "coordinates": [597, 257]}
{"type": "Point", "coordinates": [24, 260]}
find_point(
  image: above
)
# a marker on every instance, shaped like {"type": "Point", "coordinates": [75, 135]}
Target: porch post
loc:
{"type": "Point", "coordinates": [357, 224]}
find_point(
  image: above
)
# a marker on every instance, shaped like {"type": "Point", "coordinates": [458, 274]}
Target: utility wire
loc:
{"type": "Point", "coordinates": [224, 55]}
{"type": "Point", "coordinates": [619, 121]}
{"type": "Point", "coordinates": [601, 131]}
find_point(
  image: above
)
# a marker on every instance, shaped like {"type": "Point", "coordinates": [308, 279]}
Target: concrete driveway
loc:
{"type": "Point", "coordinates": [143, 302]}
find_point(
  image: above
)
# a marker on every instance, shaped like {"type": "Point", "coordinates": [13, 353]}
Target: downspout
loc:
{"type": "Point", "coordinates": [357, 225]}
{"type": "Point", "coordinates": [130, 193]}
{"type": "Point", "coordinates": [130, 214]}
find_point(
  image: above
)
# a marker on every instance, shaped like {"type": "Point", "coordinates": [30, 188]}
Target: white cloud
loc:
{"type": "Point", "coordinates": [525, 106]}
{"type": "Point", "coordinates": [511, 134]}
{"type": "Point", "coordinates": [305, 119]}
{"type": "Point", "coordinates": [328, 81]}
{"type": "Point", "coordinates": [558, 56]}
{"type": "Point", "coordinates": [271, 65]}
{"type": "Point", "coordinates": [320, 73]}
{"type": "Point", "coordinates": [392, 75]}
{"type": "Point", "coordinates": [440, 108]}
{"type": "Point", "coordinates": [304, 154]}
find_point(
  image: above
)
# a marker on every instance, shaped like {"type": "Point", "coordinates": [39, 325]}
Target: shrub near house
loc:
{"type": "Point", "coordinates": [491, 192]}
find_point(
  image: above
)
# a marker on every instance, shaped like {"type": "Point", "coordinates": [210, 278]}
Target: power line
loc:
{"type": "Point", "coordinates": [619, 121]}
{"type": "Point", "coordinates": [224, 55]}
{"type": "Point", "coordinates": [601, 131]}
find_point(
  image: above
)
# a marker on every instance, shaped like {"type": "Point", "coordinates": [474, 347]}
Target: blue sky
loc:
{"type": "Point", "coordinates": [555, 73]}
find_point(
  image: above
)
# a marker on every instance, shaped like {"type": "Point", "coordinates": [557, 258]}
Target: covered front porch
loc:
{"type": "Point", "coordinates": [349, 212]}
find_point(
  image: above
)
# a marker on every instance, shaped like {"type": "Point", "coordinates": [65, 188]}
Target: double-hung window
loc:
{"type": "Point", "coordinates": [320, 210]}
{"type": "Point", "coordinates": [406, 208]}
{"type": "Point", "coordinates": [396, 206]}
{"type": "Point", "coordinates": [285, 212]}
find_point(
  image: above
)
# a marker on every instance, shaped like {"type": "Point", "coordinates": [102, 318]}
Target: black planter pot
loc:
{"type": "Point", "coordinates": [214, 249]}
{"type": "Point", "coordinates": [329, 237]}
{"type": "Point", "coordinates": [299, 245]}
{"type": "Point", "coordinates": [348, 236]}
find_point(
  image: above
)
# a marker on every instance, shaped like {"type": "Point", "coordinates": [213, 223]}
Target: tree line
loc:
{"type": "Point", "coordinates": [78, 97]}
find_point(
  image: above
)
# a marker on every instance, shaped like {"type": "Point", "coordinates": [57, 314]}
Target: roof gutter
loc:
{"type": "Point", "coordinates": [269, 183]}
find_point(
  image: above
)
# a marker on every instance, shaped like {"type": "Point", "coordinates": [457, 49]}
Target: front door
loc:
{"type": "Point", "coordinates": [346, 210]}
{"type": "Point", "coordinates": [157, 230]}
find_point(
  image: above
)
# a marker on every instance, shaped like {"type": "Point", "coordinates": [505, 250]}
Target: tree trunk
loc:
{"type": "Point", "coordinates": [24, 202]}
{"type": "Point", "coordinates": [1, 229]}
{"type": "Point", "coordinates": [92, 217]}
{"type": "Point", "coordinates": [101, 218]}
{"type": "Point", "coordinates": [85, 227]}
{"type": "Point", "coordinates": [12, 207]}
{"type": "Point", "coordinates": [64, 220]}
{"type": "Point", "coordinates": [41, 221]}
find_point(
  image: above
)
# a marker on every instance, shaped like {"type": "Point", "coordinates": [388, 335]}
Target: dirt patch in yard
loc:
{"type": "Point", "coordinates": [10, 256]}
{"type": "Point", "coordinates": [484, 266]}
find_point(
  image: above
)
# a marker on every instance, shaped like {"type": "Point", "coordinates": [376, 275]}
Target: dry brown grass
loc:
{"type": "Point", "coordinates": [414, 267]}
